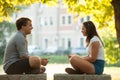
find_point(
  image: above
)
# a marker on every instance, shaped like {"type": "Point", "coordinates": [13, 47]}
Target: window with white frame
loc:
{"type": "Point", "coordinates": [69, 43]}
{"type": "Point", "coordinates": [63, 19]}
{"type": "Point", "coordinates": [45, 21]}
{"type": "Point", "coordinates": [46, 43]}
{"type": "Point", "coordinates": [81, 20]}
{"type": "Point", "coordinates": [88, 18]}
{"type": "Point", "coordinates": [69, 19]}
{"type": "Point", "coordinates": [51, 21]}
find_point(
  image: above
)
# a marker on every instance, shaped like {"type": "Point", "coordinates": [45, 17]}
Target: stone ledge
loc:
{"type": "Point", "coordinates": [24, 77]}
{"type": "Point", "coordinates": [81, 77]}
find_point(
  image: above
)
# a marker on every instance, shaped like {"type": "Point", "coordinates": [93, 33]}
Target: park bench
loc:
{"type": "Point", "coordinates": [81, 77]}
{"type": "Point", "coordinates": [24, 77]}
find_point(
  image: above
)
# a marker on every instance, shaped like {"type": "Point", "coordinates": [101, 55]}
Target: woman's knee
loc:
{"type": "Point", "coordinates": [74, 58]}
{"type": "Point", "coordinates": [34, 61]}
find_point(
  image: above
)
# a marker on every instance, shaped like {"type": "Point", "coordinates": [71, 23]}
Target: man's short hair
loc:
{"type": "Point", "coordinates": [22, 22]}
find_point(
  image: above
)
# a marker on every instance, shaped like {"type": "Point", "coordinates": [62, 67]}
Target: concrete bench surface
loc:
{"type": "Point", "coordinates": [24, 77]}
{"type": "Point", "coordinates": [81, 77]}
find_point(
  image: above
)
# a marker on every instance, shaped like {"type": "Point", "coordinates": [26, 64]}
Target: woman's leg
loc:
{"type": "Point", "coordinates": [81, 65]}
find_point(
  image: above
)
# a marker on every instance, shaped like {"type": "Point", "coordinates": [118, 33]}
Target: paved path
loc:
{"type": "Point", "coordinates": [55, 68]}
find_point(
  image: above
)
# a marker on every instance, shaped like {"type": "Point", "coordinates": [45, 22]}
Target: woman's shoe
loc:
{"type": "Point", "coordinates": [71, 71]}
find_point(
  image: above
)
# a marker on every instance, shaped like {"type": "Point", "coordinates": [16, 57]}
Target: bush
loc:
{"type": "Point", "coordinates": [2, 48]}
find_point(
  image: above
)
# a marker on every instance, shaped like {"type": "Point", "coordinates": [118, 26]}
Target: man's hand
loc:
{"type": "Point", "coordinates": [44, 61]}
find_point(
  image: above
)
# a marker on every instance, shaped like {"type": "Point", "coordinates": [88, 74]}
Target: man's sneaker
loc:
{"type": "Point", "coordinates": [38, 70]}
{"type": "Point", "coordinates": [35, 71]}
{"type": "Point", "coordinates": [42, 69]}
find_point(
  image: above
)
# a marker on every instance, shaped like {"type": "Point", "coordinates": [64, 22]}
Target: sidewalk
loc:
{"type": "Point", "coordinates": [55, 68]}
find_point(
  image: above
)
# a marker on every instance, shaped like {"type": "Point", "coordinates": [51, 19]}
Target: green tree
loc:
{"type": "Point", "coordinates": [6, 29]}
{"type": "Point", "coordinates": [102, 11]}
{"type": "Point", "coordinates": [7, 7]}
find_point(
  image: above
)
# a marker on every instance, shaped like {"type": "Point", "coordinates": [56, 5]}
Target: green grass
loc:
{"type": "Point", "coordinates": [56, 58]}
{"type": "Point", "coordinates": [64, 59]}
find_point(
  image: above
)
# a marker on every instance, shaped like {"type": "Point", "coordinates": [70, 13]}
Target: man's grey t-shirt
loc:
{"type": "Point", "coordinates": [16, 48]}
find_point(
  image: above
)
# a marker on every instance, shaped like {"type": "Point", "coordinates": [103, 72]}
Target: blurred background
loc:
{"type": "Point", "coordinates": [57, 29]}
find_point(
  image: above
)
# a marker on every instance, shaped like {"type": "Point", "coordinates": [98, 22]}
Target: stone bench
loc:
{"type": "Point", "coordinates": [81, 77]}
{"type": "Point", "coordinates": [24, 77]}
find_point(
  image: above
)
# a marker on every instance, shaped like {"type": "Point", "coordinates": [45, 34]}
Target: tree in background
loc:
{"type": "Point", "coordinates": [8, 7]}
{"type": "Point", "coordinates": [6, 30]}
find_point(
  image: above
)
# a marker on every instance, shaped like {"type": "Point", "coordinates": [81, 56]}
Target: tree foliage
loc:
{"type": "Point", "coordinates": [6, 29]}
{"type": "Point", "coordinates": [100, 10]}
{"type": "Point", "coordinates": [7, 7]}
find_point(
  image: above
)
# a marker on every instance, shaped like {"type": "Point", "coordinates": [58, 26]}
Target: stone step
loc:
{"type": "Point", "coordinates": [24, 77]}
{"type": "Point", "coordinates": [81, 77]}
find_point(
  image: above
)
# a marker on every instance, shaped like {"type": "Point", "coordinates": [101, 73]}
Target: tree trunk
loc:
{"type": "Point", "coordinates": [116, 6]}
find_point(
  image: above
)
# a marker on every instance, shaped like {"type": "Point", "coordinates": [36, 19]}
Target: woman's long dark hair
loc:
{"type": "Point", "coordinates": [90, 31]}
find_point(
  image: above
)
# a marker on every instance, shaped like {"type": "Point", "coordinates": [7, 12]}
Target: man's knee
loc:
{"type": "Point", "coordinates": [34, 61]}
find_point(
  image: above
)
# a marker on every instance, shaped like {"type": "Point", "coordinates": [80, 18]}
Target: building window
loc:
{"type": "Point", "coordinates": [63, 42]}
{"type": "Point", "coordinates": [81, 42]}
{"type": "Point", "coordinates": [81, 20]}
{"type": "Point", "coordinates": [63, 20]}
{"type": "Point", "coordinates": [69, 19]}
{"type": "Point", "coordinates": [45, 21]}
{"type": "Point", "coordinates": [46, 43]}
{"type": "Point", "coordinates": [51, 21]}
{"type": "Point", "coordinates": [69, 43]}
{"type": "Point", "coordinates": [88, 18]}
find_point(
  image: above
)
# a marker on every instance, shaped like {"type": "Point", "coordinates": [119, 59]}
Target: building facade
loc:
{"type": "Point", "coordinates": [54, 26]}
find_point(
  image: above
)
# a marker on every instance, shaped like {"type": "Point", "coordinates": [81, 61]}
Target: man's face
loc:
{"type": "Point", "coordinates": [27, 29]}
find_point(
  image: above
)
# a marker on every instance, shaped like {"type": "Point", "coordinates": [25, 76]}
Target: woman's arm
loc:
{"type": "Point", "coordinates": [94, 52]}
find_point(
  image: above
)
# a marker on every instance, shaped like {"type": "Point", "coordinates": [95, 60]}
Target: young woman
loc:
{"type": "Point", "coordinates": [93, 63]}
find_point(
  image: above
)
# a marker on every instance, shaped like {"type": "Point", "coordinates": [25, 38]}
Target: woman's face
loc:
{"type": "Point", "coordinates": [84, 31]}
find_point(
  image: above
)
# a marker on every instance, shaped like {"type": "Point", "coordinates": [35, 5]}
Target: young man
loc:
{"type": "Point", "coordinates": [16, 56]}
